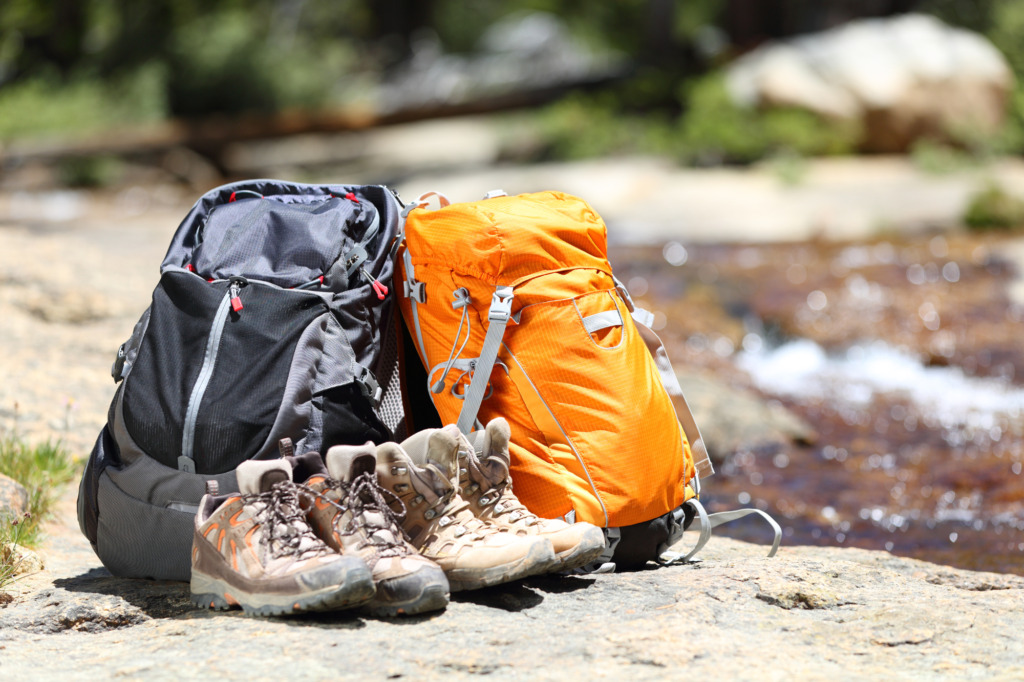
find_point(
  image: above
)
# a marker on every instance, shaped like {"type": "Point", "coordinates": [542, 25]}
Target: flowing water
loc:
{"type": "Point", "coordinates": [902, 355]}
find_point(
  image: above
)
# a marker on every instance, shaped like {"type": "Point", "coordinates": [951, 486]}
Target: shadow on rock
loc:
{"type": "Point", "coordinates": [513, 597]}
{"type": "Point", "coordinates": [155, 598]}
{"type": "Point", "coordinates": [560, 584]}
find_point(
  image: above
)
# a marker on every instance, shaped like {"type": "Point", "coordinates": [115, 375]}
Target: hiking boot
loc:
{"type": "Point", "coordinates": [350, 514]}
{"type": "Point", "coordinates": [255, 549]}
{"type": "Point", "coordinates": [485, 483]}
{"type": "Point", "coordinates": [423, 473]}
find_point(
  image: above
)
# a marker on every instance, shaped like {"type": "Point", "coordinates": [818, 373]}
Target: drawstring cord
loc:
{"type": "Point", "coordinates": [461, 301]}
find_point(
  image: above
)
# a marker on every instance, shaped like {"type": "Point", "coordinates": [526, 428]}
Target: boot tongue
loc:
{"type": "Point", "coordinates": [491, 449]}
{"type": "Point", "coordinates": [437, 449]}
{"type": "Point", "coordinates": [259, 476]}
{"type": "Point", "coordinates": [348, 462]}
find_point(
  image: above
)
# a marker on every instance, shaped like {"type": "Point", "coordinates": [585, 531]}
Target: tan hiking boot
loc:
{"type": "Point", "coordinates": [423, 473]}
{"type": "Point", "coordinates": [485, 483]}
{"type": "Point", "coordinates": [255, 549]}
{"type": "Point", "coordinates": [350, 513]}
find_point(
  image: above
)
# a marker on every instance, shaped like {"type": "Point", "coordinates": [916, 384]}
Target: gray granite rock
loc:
{"type": "Point", "coordinates": [13, 498]}
{"type": "Point", "coordinates": [809, 613]}
{"type": "Point", "coordinates": [730, 418]}
{"type": "Point", "coordinates": [903, 78]}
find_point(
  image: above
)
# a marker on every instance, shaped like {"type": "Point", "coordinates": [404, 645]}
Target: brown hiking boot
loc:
{"type": "Point", "coordinates": [485, 483]}
{"type": "Point", "coordinates": [255, 549]}
{"type": "Point", "coordinates": [423, 473]}
{"type": "Point", "coordinates": [350, 513]}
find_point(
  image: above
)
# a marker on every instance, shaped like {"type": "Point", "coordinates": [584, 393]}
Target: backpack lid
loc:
{"type": "Point", "coordinates": [507, 240]}
{"type": "Point", "coordinates": [286, 233]}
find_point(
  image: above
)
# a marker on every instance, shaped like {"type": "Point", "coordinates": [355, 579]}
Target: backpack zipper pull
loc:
{"type": "Point", "coordinates": [233, 290]}
{"type": "Point", "coordinates": [381, 290]}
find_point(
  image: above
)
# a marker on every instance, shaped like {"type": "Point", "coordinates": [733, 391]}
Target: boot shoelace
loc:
{"type": "Point", "coordinates": [502, 503]}
{"type": "Point", "coordinates": [495, 495]}
{"type": "Point", "coordinates": [286, 531]}
{"type": "Point", "coordinates": [453, 508]}
{"type": "Point", "coordinates": [364, 494]}
{"type": "Point", "coordinates": [448, 509]}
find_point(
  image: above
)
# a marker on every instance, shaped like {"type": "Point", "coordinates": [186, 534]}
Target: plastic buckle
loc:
{"type": "Point", "coordinates": [117, 369]}
{"type": "Point", "coordinates": [414, 290]}
{"type": "Point", "coordinates": [501, 305]}
{"type": "Point", "coordinates": [353, 259]}
{"type": "Point", "coordinates": [626, 298]}
{"type": "Point", "coordinates": [409, 208]}
{"type": "Point", "coordinates": [368, 385]}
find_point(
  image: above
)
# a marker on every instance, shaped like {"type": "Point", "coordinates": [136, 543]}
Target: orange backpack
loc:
{"type": "Point", "coordinates": [514, 311]}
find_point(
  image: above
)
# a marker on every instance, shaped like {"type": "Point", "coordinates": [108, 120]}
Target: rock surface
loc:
{"type": "Point", "coordinates": [13, 498]}
{"type": "Point", "coordinates": [23, 559]}
{"type": "Point", "coordinates": [808, 613]}
{"type": "Point", "coordinates": [904, 78]}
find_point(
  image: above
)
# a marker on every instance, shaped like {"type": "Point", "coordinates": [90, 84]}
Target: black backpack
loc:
{"type": "Point", "coordinates": [272, 320]}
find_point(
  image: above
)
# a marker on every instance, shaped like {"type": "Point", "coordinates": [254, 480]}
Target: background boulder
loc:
{"type": "Point", "coordinates": [903, 79]}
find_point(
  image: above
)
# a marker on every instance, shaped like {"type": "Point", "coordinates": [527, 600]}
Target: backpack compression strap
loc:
{"type": "Point", "coordinates": [498, 316]}
{"type": "Point", "coordinates": [707, 522]}
{"type": "Point", "coordinates": [412, 288]}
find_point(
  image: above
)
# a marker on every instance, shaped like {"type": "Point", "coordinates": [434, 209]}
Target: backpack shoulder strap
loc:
{"type": "Point", "coordinates": [497, 315]}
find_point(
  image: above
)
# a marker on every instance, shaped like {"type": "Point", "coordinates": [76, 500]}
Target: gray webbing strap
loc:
{"type": "Point", "coordinates": [414, 292]}
{"type": "Point", "coordinates": [727, 516]}
{"type": "Point", "coordinates": [604, 320]}
{"type": "Point", "coordinates": [497, 316]}
{"type": "Point", "coordinates": [706, 522]}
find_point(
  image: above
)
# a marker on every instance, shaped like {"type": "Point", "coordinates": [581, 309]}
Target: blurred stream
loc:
{"type": "Point", "coordinates": [910, 377]}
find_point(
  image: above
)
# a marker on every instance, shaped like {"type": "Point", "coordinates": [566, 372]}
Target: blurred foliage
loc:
{"type": "Point", "coordinates": [939, 158]}
{"type": "Point", "coordinates": [80, 66]}
{"type": "Point", "coordinates": [47, 103]}
{"type": "Point", "coordinates": [44, 470]}
{"type": "Point", "coordinates": [581, 126]}
{"type": "Point", "coordinates": [233, 62]}
{"type": "Point", "coordinates": [90, 171]}
{"type": "Point", "coordinates": [714, 130]}
{"type": "Point", "coordinates": [993, 208]}
{"type": "Point", "coordinates": [218, 56]}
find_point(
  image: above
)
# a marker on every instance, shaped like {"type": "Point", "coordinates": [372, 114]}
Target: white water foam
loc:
{"type": "Point", "coordinates": [801, 369]}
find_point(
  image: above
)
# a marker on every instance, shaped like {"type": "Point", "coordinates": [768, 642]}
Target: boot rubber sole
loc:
{"type": "Point", "coordinates": [538, 559]}
{"type": "Point", "coordinates": [590, 546]}
{"type": "Point", "coordinates": [220, 595]}
{"type": "Point", "coordinates": [433, 597]}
